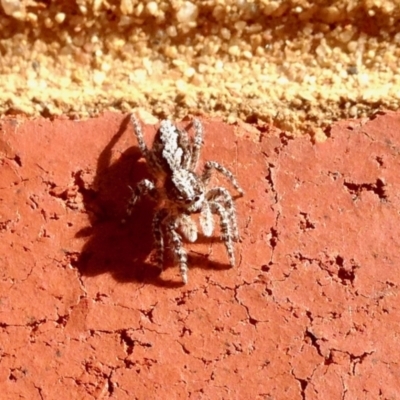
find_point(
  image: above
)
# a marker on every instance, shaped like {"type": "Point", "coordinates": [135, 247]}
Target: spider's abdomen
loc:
{"type": "Point", "coordinates": [171, 147]}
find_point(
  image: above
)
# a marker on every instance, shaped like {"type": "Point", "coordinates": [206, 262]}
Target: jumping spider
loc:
{"type": "Point", "coordinates": [180, 192]}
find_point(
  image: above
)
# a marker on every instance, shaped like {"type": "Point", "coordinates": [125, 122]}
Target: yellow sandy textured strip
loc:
{"type": "Point", "coordinates": [299, 64]}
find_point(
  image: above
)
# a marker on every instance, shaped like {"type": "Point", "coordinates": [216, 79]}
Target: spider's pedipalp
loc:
{"type": "Point", "coordinates": [226, 232]}
{"type": "Point", "coordinates": [143, 188]}
{"type": "Point", "coordinates": [220, 194]}
{"type": "Point", "coordinates": [206, 219]}
{"type": "Point", "coordinates": [188, 227]}
{"type": "Point", "coordinates": [210, 165]}
{"type": "Point", "coordinates": [197, 143]}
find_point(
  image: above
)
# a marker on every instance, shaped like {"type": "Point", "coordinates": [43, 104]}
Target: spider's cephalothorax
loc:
{"type": "Point", "coordinates": [180, 191]}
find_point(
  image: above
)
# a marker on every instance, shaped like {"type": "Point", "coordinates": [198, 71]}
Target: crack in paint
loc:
{"type": "Point", "coordinates": [378, 188]}
{"type": "Point", "coordinates": [343, 271]}
{"type": "Point", "coordinates": [305, 222]}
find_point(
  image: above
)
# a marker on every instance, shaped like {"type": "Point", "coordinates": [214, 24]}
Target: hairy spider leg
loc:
{"type": "Point", "coordinates": [220, 194]}
{"type": "Point", "coordinates": [143, 188]}
{"type": "Point", "coordinates": [139, 135]}
{"type": "Point", "coordinates": [197, 143]}
{"type": "Point", "coordinates": [151, 160]}
{"type": "Point", "coordinates": [158, 235]}
{"type": "Point", "coordinates": [226, 232]}
{"type": "Point", "coordinates": [210, 165]}
{"type": "Point", "coordinates": [178, 250]}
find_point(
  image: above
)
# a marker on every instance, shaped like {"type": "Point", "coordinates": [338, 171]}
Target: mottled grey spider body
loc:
{"type": "Point", "coordinates": [180, 192]}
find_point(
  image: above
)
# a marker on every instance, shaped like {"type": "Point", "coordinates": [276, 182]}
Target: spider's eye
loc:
{"type": "Point", "coordinates": [197, 198]}
{"type": "Point", "coordinates": [188, 201]}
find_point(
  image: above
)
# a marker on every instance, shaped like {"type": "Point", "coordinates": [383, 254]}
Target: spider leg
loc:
{"type": "Point", "coordinates": [144, 187]}
{"type": "Point", "coordinates": [226, 232]}
{"type": "Point", "coordinates": [188, 227]}
{"type": "Point", "coordinates": [210, 165]}
{"type": "Point", "coordinates": [206, 219]}
{"type": "Point", "coordinates": [221, 194]}
{"type": "Point", "coordinates": [197, 143]}
{"type": "Point", "coordinates": [184, 144]}
{"type": "Point", "coordinates": [158, 234]}
{"type": "Point", "coordinates": [139, 135]}
{"type": "Point", "coordinates": [151, 160]}
{"type": "Point", "coordinates": [179, 252]}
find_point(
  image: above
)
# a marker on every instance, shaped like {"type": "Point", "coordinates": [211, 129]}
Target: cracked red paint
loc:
{"type": "Point", "coordinates": [310, 312]}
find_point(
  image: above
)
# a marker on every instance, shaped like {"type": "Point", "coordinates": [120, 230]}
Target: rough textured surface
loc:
{"type": "Point", "coordinates": [310, 312]}
{"type": "Point", "coordinates": [300, 64]}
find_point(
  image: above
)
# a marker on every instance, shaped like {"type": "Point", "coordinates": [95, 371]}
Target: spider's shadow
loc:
{"type": "Point", "coordinates": [122, 249]}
